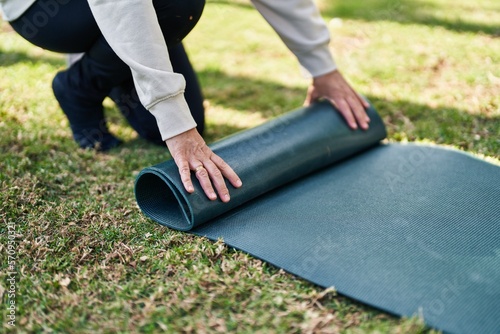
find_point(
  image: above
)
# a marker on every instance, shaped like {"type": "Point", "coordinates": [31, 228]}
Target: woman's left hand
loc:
{"type": "Point", "coordinates": [333, 87]}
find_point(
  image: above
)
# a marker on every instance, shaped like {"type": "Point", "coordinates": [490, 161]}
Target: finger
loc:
{"type": "Point", "coordinates": [217, 180]}
{"type": "Point", "coordinates": [185, 173]}
{"type": "Point", "coordinates": [359, 112]}
{"type": "Point", "coordinates": [203, 177]}
{"type": "Point", "coordinates": [227, 171]}
{"type": "Point", "coordinates": [365, 103]}
{"type": "Point", "coordinates": [345, 111]}
{"type": "Point", "coordinates": [312, 96]}
{"type": "Point", "coordinates": [309, 98]}
{"type": "Point", "coordinates": [307, 101]}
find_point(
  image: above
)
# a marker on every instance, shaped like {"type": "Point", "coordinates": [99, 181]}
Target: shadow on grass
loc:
{"type": "Point", "coordinates": [249, 95]}
{"type": "Point", "coordinates": [442, 125]}
{"type": "Point", "coordinates": [403, 119]}
{"type": "Point", "coordinates": [408, 12]}
{"type": "Point", "coordinates": [413, 122]}
{"type": "Point", "coordinates": [9, 58]}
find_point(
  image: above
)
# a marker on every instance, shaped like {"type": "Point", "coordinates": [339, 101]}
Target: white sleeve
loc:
{"type": "Point", "coordinates": [300, 26]}
{"type": "Point", "coordinates": [132, 30]}
{"type": "Point", "coordinates": [13, 9]}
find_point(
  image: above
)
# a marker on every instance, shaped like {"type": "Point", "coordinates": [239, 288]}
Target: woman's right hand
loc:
{"type": "Point", "coordinates": [191, 153]}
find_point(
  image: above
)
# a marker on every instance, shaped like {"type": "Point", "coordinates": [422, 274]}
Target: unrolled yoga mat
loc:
{"type": "Point", "coordinates": [409, 229]}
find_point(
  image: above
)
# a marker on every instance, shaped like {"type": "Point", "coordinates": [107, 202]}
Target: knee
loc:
{"type": "Point", "coordinates": [178, 17]}
{"type": "Point", "coordinates": [198, 6]}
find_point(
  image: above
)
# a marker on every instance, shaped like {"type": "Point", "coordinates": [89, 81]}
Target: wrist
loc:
{"type": "Point", "coordinates": [189, 136]}
{"type": "Point", "coordinates": [327, 79]}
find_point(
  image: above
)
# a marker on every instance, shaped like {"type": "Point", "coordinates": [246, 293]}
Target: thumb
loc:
{"type": "Point", "coordinates": [311, 96]}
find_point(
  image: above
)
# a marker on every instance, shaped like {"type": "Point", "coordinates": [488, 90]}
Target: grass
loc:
{"type": "Point", "coordinates": [89, 261]}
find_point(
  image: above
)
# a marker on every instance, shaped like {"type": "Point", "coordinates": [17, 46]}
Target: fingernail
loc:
{"type": "Point", "coordinates": [226, 197]}
{"type": "Point", "coordinates": [190, 189]}
{"type": "Point", "coordinates": [354, 126]}
{"type": "Point", "coordinates": [239, 183]}
{"type": "Point", "coordinates": [213, 196]}
{"type": "Point", "coordinates": [368, 119]}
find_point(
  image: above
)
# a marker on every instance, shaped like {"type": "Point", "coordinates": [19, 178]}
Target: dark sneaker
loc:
{"type": "Point", "coordinates": [85, 115]}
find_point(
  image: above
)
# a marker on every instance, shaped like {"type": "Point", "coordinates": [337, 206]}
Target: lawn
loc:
{"type": "Point", "coordinates": [88, 261]}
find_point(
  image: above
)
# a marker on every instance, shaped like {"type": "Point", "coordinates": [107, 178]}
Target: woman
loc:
{"type": "Point", "coordinates": [69, 26]}
{"type": "Point", "coordinates": [142, 35]}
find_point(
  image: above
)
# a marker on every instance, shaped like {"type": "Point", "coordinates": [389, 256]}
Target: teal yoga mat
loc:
{"type": "Point", "coordinates": [410, 229]}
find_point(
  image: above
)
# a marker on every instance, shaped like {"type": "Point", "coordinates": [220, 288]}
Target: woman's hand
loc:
{"type": "Point", "coordinates": [333, 87]}
{"type": "Point", "coordinates": [191, 153]}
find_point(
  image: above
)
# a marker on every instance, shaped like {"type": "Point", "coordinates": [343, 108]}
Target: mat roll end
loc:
{"type": "Point", "coordinates": [162, 201]}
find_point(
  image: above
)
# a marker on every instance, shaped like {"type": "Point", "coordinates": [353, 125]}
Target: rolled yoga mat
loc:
{"type": "Point", "coordinates": [409, 229]}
